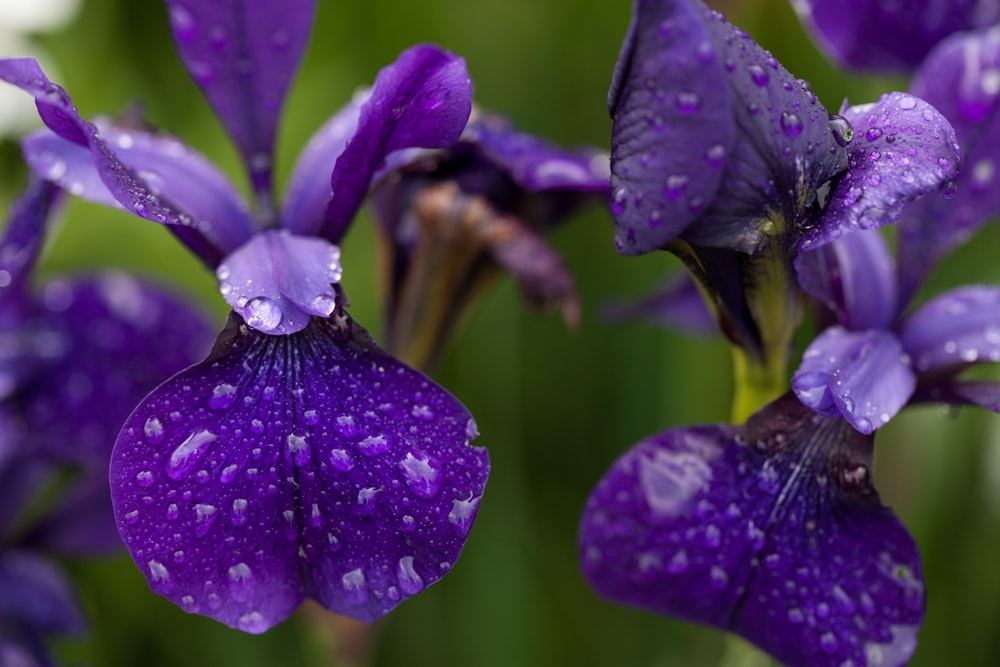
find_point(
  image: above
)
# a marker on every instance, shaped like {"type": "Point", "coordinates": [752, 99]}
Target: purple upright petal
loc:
{"type": "Point", "coordinates": [954, 330]}
{"type": "Point", "coordinates": [855, 278]}
{"type": "Point", "coordinates": [960, 79]}
{"type": "Point", "coordinates": [865, 376]}
{"type": "Point", "coordinates": [422, 100]}
{"type": "Point", "coordinates": [889, 36]}
{"type": "Point", "coordinates": [243, 54]}
{"type": "Point", "coordinates": [902, 148]}
{"type": "Point", "coordinates": [772, 530]}
{"type": "Point", "coordinates": [670, 103]}
{"type": "Point", "coordinates": [127, 187]}
{"type": "Point", "coordinates": [284, 467]}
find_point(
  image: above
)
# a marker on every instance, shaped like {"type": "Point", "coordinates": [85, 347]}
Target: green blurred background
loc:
{"type": "Point", "coordinates": [554, 407]}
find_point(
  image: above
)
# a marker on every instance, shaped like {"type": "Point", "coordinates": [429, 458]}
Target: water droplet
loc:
{"type": "Point", "coordinates": [341, 459]}
{"type": "Point", "coordinates": [422, 474]}
{"type": "Point", "coordinates": [791, 124]}
{"type": "Point", "coordinates": [828, 642]}
{"type": "Point", "coordinates": [713, 536]}
{"type": "Point", "coordinates": [263, 314]}
{"type": "Point", "coordinates": [679, 563]}
{"type": "Point", "coordinates": [422, 412]}
{"type": "Point", "coordinates": [873, 133]}
{"type": "Point", "coordinates": [462, 513]}
{"type": "Point", "coordinates": [131, 517]}
{"type": "Point", "coordinates": [183, 24]}
{"type": "Point", "coordinates": [841, 129]}
{"type": "Point", "coordinates": [205, 516]}
{"type": "Point", "coordinates": [323, 304]}
{"type": "Point", "coordinates": [795, 616]}
{"type": "Point", "coordinates": [241, 582]}
{"type": "Point", "coordinates": [366, 500]}
{"type": "Point", "coordinates": [674, 186]}
{"type": "Point", "coordinates": [354, 583]}
{"type": "Point", "coordinates": [239, 516]}
{"type": "Point", "coordinates": [688, 102]}
{"type": "Point", "coordinates": [758, 75]}
{"type": "Point", "coordinates": [472, 429]}
{"type": "Point", "coordinates": [907, 102]}
{"type": "Point", "coordinates": [719, 577]}
{"type": "Point", "coordinates": [715, 156]}
{"type": "Point", "coordinates": [374, 445]}
{"type": "Point", "coordinates": [228, 473]}
{"type": "Point", "coordinates": [252, 622]}
{"type": "Point", "coordinates": [222, 397]}
{"type": "Point", "coordinates": [144, 478]}
{"type": "Point", "coordinates": [299, 449]}
{"type": "Point", "coordinates": [411, 582]}
{"type": "Point", "coordinates": [153, 430]}
{"type": "Point", "coordinates": [186, 456]}
{"type": "Point", "coordinates": [159, 575]}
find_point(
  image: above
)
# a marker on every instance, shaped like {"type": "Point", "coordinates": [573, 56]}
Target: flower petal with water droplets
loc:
{"type": "Point", "coordinates": [954, 330]}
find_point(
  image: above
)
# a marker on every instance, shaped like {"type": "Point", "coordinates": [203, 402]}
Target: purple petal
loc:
{"type": "Point", "coordinates": [864, 376]}
{"type": "Point", "coordinates": [670, 102]}
{"type": "Point", "coordinates": [278, 281]}
{"type": "Point", "coordinates": [854, 277]}
{"type": "Point", "coordinates": [902, 148]}
{"type": "Point", "coordinates": [956, 329]}
{"type": "Point", "coordinates": [309, 191]}
{"type": "Point", "coordinates": [285, 467]}
{"type": "Point", "coordinates": [982, 393]}
{"type": "Point", "coordinates": [886, 36]}
{"type": "Point", "coordinates": [82, 523]}
{"type": "Point", "coordinates": [772, 531]}
{"type": "Point", "coordinates": [128, 188]}
{"type": "Point", "coordinates": [243, 55]}
{"type": "Point", "coordinates": [677, 304]}
{"type": "Point", "coordinates": [35, 592]}
{"type": "Point", "coordinates": [112, 339]}
{"type": "Point", "coordinates": [959, 79]}
{"type": "Point", "coordinates": [24, 235]}
{"type": "Point", "coordinates": [422, 100]}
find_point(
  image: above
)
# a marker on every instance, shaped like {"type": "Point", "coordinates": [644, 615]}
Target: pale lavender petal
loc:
{"type": "Point", "coordinates": [854, 277]}
{"type": "Point", "coordinates": [954, 330]}
{"type": "Point", "coordinates": [278, 281]}
{"type": "Point", "coordinates": [677, 304]}
{"type": "Point", "coordinates": [128, 188]}
{"type": "Point", "coordinates": [285, 467]}
{"type": "Point", "coordinates": [864, 376]}
{"type": "Point", "coordinates": [422, 100]}
{"type": "Point", "coordinates": [243, 54]}
{"type": "Point", "coordinates": [902, 148]}
{"type": "Point", "coordinates": [960, 78]}
{"type": "Point", "coordinates": [889, 36]}
{"type": "Point", "coordinates": [309, 191]}
{"type": "Point", "coordinates": [772, 531]}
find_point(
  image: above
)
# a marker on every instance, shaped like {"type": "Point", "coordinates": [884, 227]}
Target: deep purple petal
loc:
{"type": "Point", "coordinates": [35, 592]}
{"type": "Point", "coordinates": [670, 103]}
{"type": "Point", "coordinates": [960, 79]}
{"type": "Point", "coordinates": [23, 236]}
{"type": "Point", "coordinates": [888, 36]}
{"type": "Point", "coordinates": [243, 55]}
{"type": "Point", "coordinates": [309, 191]}
{"type": "Point", "coordinates": [111, 339]}
{"type": "Point", "coordinates": [902, 148]}
{"type": "Point", "coordinates": [854, 277]}
{"type": "Point", "coordinates": [954, 330]}
{"type": "Point", "coordinates": [127, 187]}
{"type": "Point", "coordinates": [284, 467]}
{"type": "Point", "coordinates": [772, 531]}
{"type": "Point", "coordinates": [278, 281]}
{"type": "Point", "coordinates": [865, 376]}
{"type": "Point", "coordinates": [677, 304]}
{"type": "Point", "coordinates": [422, 100]}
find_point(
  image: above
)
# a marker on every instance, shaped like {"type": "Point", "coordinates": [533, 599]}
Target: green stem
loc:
{"type": "Point", "coordinates": [756, 382]}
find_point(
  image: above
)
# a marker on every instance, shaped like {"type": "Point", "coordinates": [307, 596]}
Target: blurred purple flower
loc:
{"type": "Point", "coordinates": [298, 460]}
{"type": "Point", "coordinates": [771, 530]}
{"type": "Point", "coordinates": [889, 36]}
{"type": "Point", "coordinates": [452, 219]}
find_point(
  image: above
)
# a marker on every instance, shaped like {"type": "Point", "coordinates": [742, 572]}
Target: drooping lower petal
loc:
{"type": "Point", "coordinates": [770, 530]}
{"type": "Point", "coordinates": [284, 467]}
{"type": "Point", "coordinates": [865, 376]}
{"type": "Point", "coordinates": [956, 329]}
{"type": "Point", "coordinates": [902, 148]}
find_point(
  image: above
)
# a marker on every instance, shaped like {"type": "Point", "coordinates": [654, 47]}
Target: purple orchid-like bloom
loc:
{"type": "Point", "coordinates": [876, 357]}
{"type": "Point", "coordinates": [889, 36]}
{"type": "Point", "coordinates": [452, 219]}
{"type": "Point", "coordinates": [78, 354]}
{"type": "Point", "coordinates": [771, 530]}
{"type": "Point", "coordinates": [298, 460]}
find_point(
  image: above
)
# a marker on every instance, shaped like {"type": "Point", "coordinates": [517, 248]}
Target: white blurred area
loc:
{"type": "Point", "coordinates": [19, 20]}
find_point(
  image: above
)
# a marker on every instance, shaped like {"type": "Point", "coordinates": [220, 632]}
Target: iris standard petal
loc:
{"type": "Point", "coordinates": [422, 100]}
{"type": "Point", "coordinates": [670, 103]}
{"type": "Point", "coordinates": [128, 188]}
{"type": "Point", "coordinates": [902, 148]}
{"type": "Point", "coordinates": [284, 467]}
{"type": "Point", "coordinates": [866, 374]}
{"type": "Point", "coordinates": [854, 276]}
{"type": "Point", "coordinates": [956, 329]}
{"type": "Point", "coordinates": [961, 78]}
{"type": "Point", "coordinates": [887, 36]}
{"type": "Point", "coordinates": [243, 55]}
{"type": "Point", "coordinates": [278, 281]}
{"type": "Point", "coordinates": [772, 531]}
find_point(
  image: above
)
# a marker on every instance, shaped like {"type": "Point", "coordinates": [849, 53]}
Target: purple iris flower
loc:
{"type": "Point", "coordinates": [452, 219]}
{"type": "Point", "coordinates": [77, 355]}
{"type": "Point", "coordinates": [298, 460]}
{"type": "Point", "coordinates": [889, 36]}
{"type": "Point", "coordinates": [771, 530]}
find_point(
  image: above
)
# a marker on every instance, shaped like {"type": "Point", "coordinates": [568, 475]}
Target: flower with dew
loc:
{"type": "Point", "coordinates": [297, 460]}
{"type": "Point", "coordinates": [76, 356]}
{"type": "Point", "coordinates": [452, 219]}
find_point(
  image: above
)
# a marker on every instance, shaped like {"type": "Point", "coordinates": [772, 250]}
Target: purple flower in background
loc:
{"type": "Point", "coordinates": [771, 530]}
{"type": "Point", "coordinates": [453, 219]}
{"type": "Point", "coordinates": [298, 460]}
{"type": "Point", "coordinates": [77, 355]}
{"type": "Point", "coordinates": [889, 36]}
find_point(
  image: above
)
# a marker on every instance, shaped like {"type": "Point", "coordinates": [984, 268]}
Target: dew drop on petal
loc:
{"type": "Point", "coordinates": [758, 75]}
{"type": "Point", "coordinates": [422, 474]}
{"type": "Point", "coordinates": [252, 622]}
{"type": "Point", "coordinates": [409, 581]}
{"type": "Point", "coordinates": [223, 395]}
{"type": "Point", "coordinates": [185, 457]}
{"type": "Point", "coordinates": [462, 513]}
{"type": "Point", "coordinates": [354, 583]}
{"type": "Point", "coordinates": [153, 431]}
{"type": "Point", "coordinates": [374, 445]}
{"type": "Point", "coordinates": [299, 449]}
{"type": "Point", "coordinates": [341, 459]}
{"type": "Point", "coordinates": [239, 515]}
{"type": "Point", "coordinates": [263, 314]}
{"type": "Point", "coordinates": [144, 478]}
{"type": "Point", "coordinates": [791, 124]}
{"type": "Point", "coordinates": [204, 518]}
